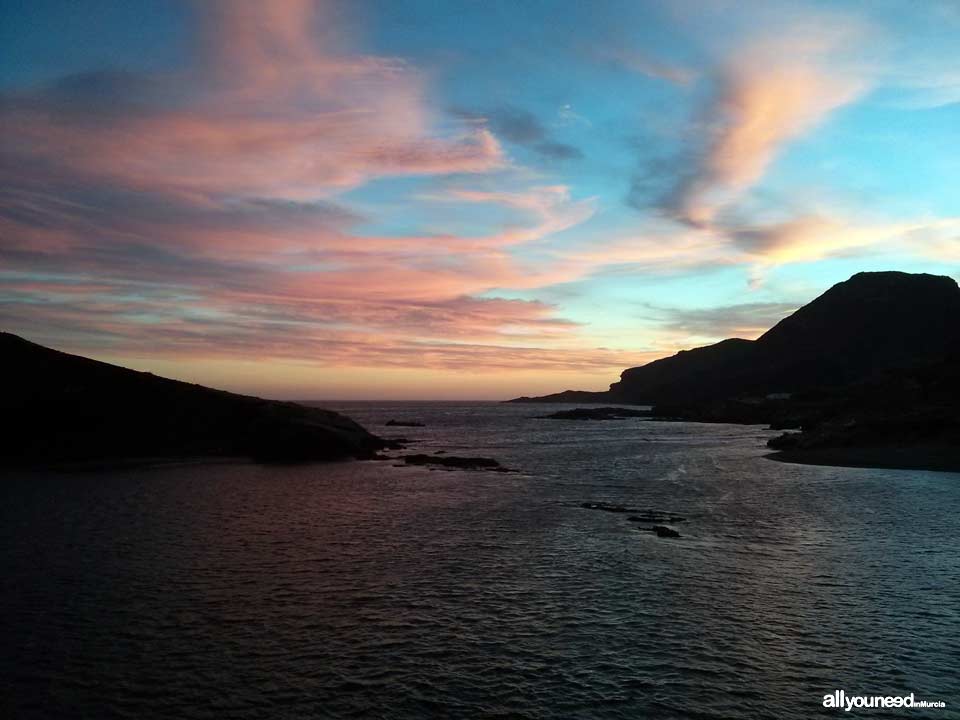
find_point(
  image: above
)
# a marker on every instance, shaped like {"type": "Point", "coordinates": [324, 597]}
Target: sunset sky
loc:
{"type": "Point", "coordinates": [474, 199]}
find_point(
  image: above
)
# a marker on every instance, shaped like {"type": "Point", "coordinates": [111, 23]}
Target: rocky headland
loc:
{"type": "Point", "coordinates": [61, 408]}
{"type": "Point", "coordinates": [867, 373]}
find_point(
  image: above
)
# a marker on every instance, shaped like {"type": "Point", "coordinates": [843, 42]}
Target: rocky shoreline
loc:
{"type": "Point", "coordinates": [938, 458]}
{"type": "Point", "coordinates": [868, 374]}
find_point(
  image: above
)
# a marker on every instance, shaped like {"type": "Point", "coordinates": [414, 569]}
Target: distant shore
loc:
{"type": "Point", "coordinates": [921, 457]}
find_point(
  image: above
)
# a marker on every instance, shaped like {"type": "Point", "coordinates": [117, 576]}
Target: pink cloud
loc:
{"type": "Point", "coordinates": [196, 218]}
{"type": "Point", "coordinates": [462, 334]}
{"type": "Point", "coordinates": [275, 110]}
{"type": "Point", "coordinates": [770, 92]}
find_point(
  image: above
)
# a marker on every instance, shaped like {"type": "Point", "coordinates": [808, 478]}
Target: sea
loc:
{"type": "Point", "coordinates": [375, 589]}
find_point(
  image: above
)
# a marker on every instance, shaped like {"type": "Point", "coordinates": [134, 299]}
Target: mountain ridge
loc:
{"type": "Point", "coordinates": [872, 322]}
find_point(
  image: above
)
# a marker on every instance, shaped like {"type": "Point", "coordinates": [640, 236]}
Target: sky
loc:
{"type": "Point", "coordinates": [459, 199]}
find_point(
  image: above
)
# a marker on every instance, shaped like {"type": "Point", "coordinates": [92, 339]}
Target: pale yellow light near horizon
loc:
{"type": "Point", "coordinates": [293, 381]}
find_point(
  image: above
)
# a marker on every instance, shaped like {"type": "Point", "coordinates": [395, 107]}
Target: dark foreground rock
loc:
{"type": "Point", "coordinates": [62, 408]}
{"type": "Point", "coordinates": [452, 461]}
{"type": "Point", "coordinates": [603, 413]}
{"type": "Point", "coordinates": [661, 531]}
{"type": "Point", "coordinates": [645, 516]}
{"type": "Point", "coordinates": [404, 423]}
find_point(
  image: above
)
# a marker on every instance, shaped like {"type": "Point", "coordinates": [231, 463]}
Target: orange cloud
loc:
{"type": "Point", "coordinates": [812, 237]}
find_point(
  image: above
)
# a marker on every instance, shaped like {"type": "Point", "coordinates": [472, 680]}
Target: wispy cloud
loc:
{"type": "Point", "coordinates": [208, 199]}
{"type": "Point", "coordinates": [644, 63]}
{"type": "Point", "coordinates": [768, 93]}
{"type": "Point", "coordinates": [273, 111]}
{"type": "Point", "coordinates": [522, 128]}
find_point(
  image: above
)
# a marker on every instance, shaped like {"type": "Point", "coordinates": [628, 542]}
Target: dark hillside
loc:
{"type": "Point", "coordinates": [61, 407]}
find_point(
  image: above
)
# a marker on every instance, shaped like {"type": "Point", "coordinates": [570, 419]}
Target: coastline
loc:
{"type": "Point", "coordinates": [929, 458]}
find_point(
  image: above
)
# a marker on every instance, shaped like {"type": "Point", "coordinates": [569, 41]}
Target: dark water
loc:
{"type": "Point", "coordinates": [367, 590]}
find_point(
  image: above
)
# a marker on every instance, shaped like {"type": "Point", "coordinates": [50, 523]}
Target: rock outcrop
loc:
{"type": "Point", "coordinates": [661, 531]}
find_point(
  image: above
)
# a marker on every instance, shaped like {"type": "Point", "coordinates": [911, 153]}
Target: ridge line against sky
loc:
{"type": "Point", "coordinates": [459, 200]}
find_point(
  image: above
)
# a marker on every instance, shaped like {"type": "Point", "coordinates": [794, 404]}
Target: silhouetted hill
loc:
{"type": "Point", "coordinates": [60, 407]}
{"type": "Point", "coordinates": [869, 372]}
{"type": "Point", "coordinates": [871, 323]}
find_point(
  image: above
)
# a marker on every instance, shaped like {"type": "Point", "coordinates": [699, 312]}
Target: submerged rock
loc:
{"type": "Point", "coordinates": [652, 516]}
{"type": "Point", "coordinates": [661, 531]}
{"type": "Point", "coordinates": [404, 423]}
{"type": "Point", "coordinates": [655, 517]}
{"type": "Point", "coordinates": [608, 507]}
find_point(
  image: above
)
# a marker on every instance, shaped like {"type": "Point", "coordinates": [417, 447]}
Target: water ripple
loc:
{"type": "Point", "coordinates": [363, 590]}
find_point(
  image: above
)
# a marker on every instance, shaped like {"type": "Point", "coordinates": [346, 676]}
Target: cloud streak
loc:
{"type": "Point", "coordinates": [198, 210]}
{"type": "Point", "coordinates": [768, 93]}
{"type": "Point", "coordinates": [645, 64]}
{"type": "Point", "coordinates": [272, 113]}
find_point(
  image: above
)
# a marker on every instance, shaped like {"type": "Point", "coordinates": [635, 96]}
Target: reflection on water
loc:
{"type": "Point", "coordinates": [367, 590]}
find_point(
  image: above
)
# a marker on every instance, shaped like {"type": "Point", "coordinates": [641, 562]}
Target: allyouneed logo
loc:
{"type": "Point", "coordinates": [839, 699]}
